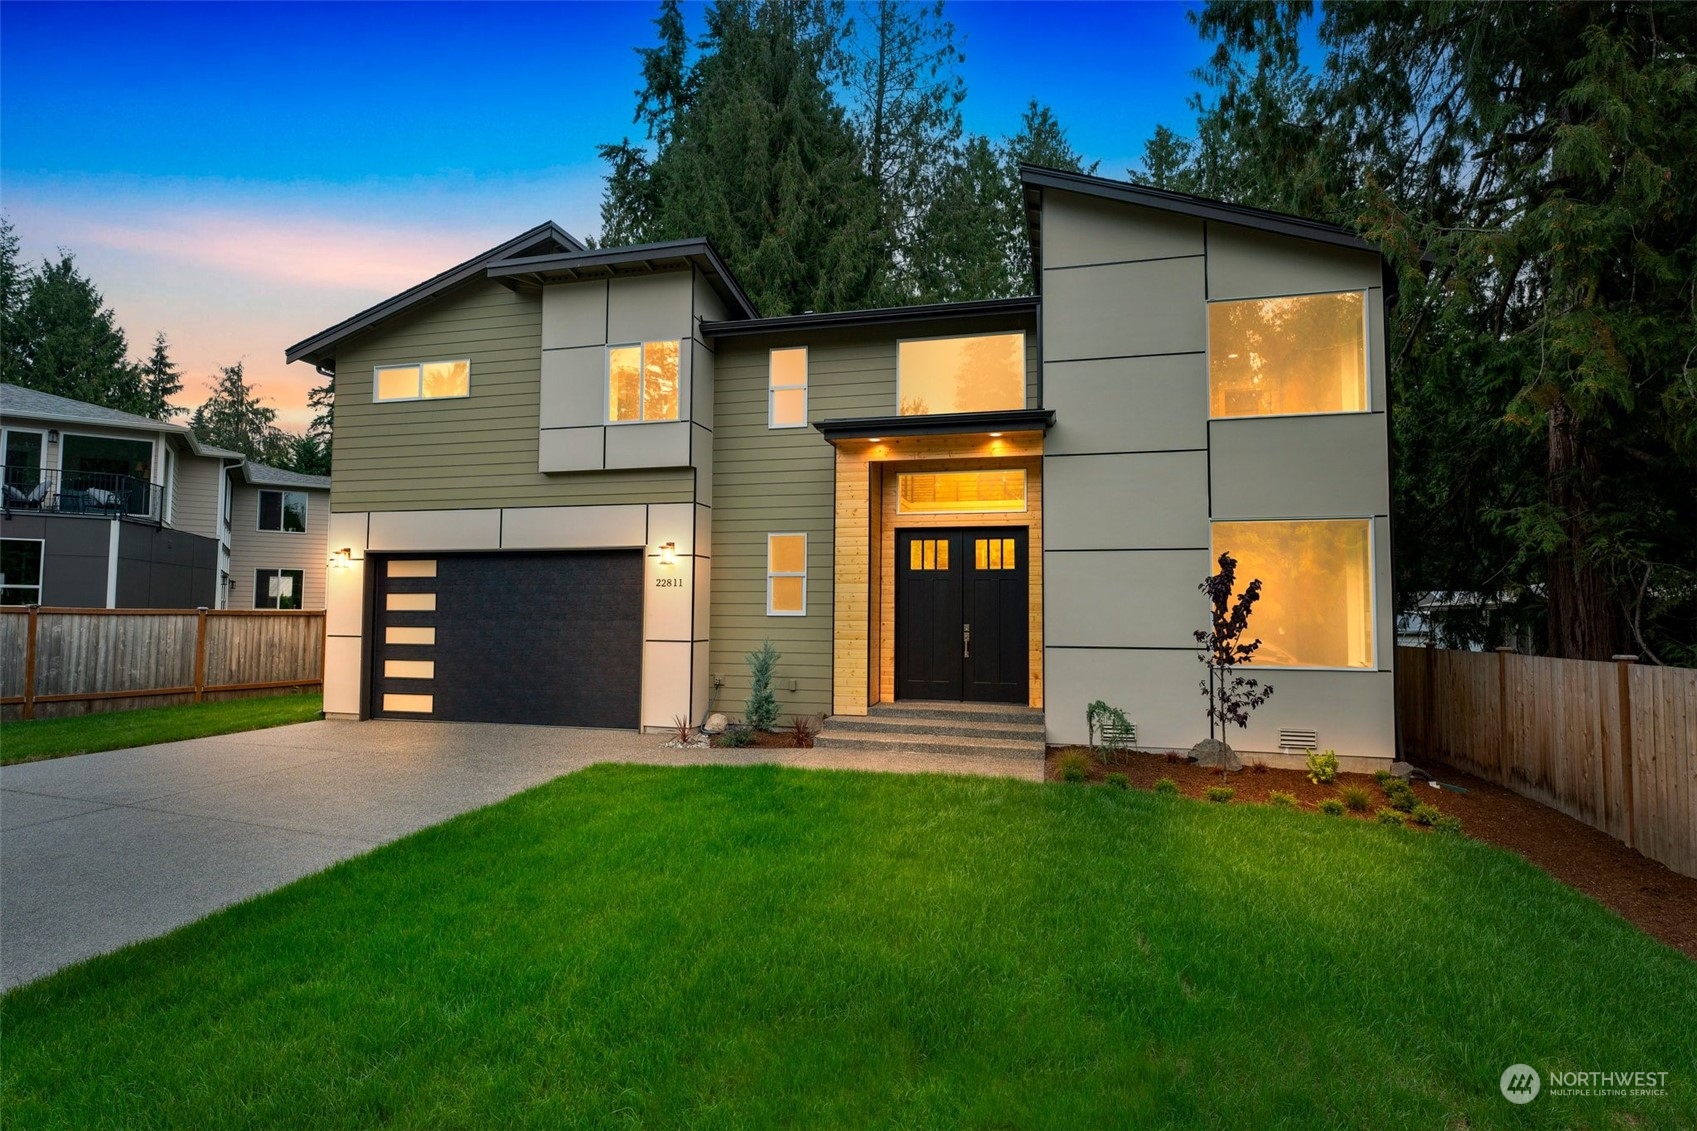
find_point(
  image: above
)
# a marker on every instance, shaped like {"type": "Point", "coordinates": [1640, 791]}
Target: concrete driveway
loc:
{"type": "Point", "coordinates": [101, 850]}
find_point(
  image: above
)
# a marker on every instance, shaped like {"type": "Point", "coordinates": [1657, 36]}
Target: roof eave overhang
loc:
{"type": "Point", "coordinates": [884, 316]}
{"type": "Point", "coordinates": [618, 262]}
{"type": "Point", "coordinates": [942, 424]}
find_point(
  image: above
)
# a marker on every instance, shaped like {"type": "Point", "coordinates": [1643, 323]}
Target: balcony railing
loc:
{"type": "Point", "coordinates": [104, 494]}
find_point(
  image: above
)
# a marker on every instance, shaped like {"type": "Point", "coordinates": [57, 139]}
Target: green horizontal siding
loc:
{"type": "Point", "coordinates": [772, 481]}
{"type": "Point", "coordinates": [479, 451]}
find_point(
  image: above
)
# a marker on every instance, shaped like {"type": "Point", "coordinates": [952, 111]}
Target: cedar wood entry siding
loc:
{"type": "Point", "coordinates": [471, 452]}
{"type": "Point", "coordinates": [784, 481]}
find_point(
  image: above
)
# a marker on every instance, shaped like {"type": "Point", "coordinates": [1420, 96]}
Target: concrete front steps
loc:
{"type": "Point", "coordinates": [996, 729]}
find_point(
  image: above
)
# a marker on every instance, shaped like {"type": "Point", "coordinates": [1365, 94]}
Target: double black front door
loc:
{"type": "Point", "coordinates": [962, 602]}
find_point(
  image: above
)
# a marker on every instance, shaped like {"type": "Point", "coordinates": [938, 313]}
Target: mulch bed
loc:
{"type": "Point", "coordinates": [1660, 902]}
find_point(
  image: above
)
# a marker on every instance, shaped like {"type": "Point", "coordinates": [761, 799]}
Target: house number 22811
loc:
{"type": "Point", "coordinates": [668, 583]}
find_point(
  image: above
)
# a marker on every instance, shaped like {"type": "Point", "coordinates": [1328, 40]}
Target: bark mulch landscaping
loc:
{"type": "Point", "coordinates": [1657, 900]}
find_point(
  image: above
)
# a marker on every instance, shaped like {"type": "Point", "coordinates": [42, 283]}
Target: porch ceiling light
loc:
{"type": "Point", "coordinates": [995, 435]}
{"type": "Point", "coordinates": [669, 553]}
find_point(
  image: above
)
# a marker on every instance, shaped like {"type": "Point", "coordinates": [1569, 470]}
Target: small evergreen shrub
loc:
{"type": "Point", "coordinates": [761, 710]}
{"type": "Point", "coordinates": [1332, 807]}
{"type": "Point", "coordinates": [1220, 794]}
{"type": "Point", "coordinates": [1390, 817]}
{"type": "Point", "coordinates": [1356, 799]}
{"type": "Point", "coordinates": [1383, 777]}
{"type": "Point", "coordinates": [1072, 767]}
{"type": "Point", "coordinates": [1448, 823]}
{"type": "Point", "coordinates": [1425, 815]}
{"type": "Point", "coordinates": [1167, 786]}
{"type": "Point", "coordinates": [734, 736]}
{"type": "Point", "coordinates": [1402, 800]}
{"type": "Point", "coordinates": [1322, 766]}
{"type": "Point", "coordinates": [1117, 781]}
{"type": "Point", "coordinates": [1282, 799]}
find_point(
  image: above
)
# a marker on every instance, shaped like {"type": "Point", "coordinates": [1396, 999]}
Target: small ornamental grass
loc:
{"type": "Point", "coordinates": [1167, 787]}
{"type": "Point", "coordinates": [1357, 800]}
{"type": "Point", "coordinates": [1332, 807]}
{"type": "Point", "coordinates": [1281, 799]}
{"type": "Point", "coordinates": [1220, 794]}
{"type": "Point", "coordinates": [1117, 781]}
{"type": "Point", "coordinates": [1072, 767]}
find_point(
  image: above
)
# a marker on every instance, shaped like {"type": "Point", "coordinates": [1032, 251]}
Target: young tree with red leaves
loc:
{"type": "Point", "coordinates": [1230, 697]}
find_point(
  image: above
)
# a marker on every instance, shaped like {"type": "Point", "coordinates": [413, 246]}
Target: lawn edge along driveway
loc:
{"type": "Point", "coordinates": [40, 739]}
{"type": "Point", "coordinates": [725, 947]}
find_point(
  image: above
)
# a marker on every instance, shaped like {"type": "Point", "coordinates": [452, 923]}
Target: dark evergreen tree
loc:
{"type": "Point", "coordinates": [62, 338]}
{"type": "Point", "coordinates": [1532, 171]}
{"type": "Point", "coordinates": [161, 380]}
{"type": "Point", "coordinates": [233, 418]}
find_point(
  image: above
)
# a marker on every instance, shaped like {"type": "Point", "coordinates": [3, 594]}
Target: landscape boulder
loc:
{"type": "Point", "coordinates": [715, 724]}
{"type": "Point", "coordinates": [1213, 752]}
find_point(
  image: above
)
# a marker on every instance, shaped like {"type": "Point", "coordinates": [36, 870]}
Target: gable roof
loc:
{"type": "Point", "coordinates": [545, 236]}
{"type": "Point", "coordinates": [638, 259]}
{"type": "Point", "coordinates": [16, 401]}
{"type": "Point", "coordinates": [264, 475]}
{"type": "Point", "coordinates": [1035, 178]}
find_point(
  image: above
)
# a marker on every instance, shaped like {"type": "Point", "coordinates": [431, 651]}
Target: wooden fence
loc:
{"type": "Point", "coordinates": [79, 661]}
{"type": "Point", "coordinates": [1611, 744]}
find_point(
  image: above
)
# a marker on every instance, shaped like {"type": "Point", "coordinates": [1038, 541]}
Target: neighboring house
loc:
{"type": "Point", "coordinates": [106, 509]}
{"type": "Point", "coordinates": [576, 486]}
{"type": "Point", "coordinates": [279, 520]}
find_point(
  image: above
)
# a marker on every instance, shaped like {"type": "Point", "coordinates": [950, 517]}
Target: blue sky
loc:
{"type": "Point", "coordinates": [240, 176]}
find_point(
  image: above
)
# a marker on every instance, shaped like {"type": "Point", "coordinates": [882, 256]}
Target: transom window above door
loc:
{"type": "Point", "coordinates": [642, 382]}
{"type": "Point", "coordinates": [961, 492]}
{"type": "Point", "coordinates": [981, 373]}
{"type": "Point", "coordinates": [426, 381]}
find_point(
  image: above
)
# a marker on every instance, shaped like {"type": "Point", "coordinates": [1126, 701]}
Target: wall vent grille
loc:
{"type": "Point", "coordinates": [1292, 739]}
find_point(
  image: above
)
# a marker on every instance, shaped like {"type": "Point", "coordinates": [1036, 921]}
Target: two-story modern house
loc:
{"type": "Point", "coordinates": [105, 509]}
{"type": "Point", "coordinates": [108, 510]}
{"type": "Point", "coordinates": [575, 486]}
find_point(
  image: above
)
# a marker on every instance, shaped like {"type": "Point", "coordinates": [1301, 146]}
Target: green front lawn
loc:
{"type": "Point", "coordinates": [746, 947]}
{"type": "Point", "coordinates": [116, 730]}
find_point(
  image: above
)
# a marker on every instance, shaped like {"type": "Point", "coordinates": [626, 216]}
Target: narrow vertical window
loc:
{"type": "Point", "coordinates": [787, 406]}
{"type": "Point", "coordinates": [786, 575]}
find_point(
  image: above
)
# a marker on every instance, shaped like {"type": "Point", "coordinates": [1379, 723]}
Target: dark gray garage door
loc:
{"type": "Point", "coordinates": [554, 639]}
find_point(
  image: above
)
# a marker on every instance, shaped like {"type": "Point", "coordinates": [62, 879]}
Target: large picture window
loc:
{"type": "Point", "coordinates": [20, 571]}
{"type": "Point", "coordinates": [278, 588]}
{"type": "Point", "coordinates": [642, 382]}
{"type": "Point", "coordinates": [983, 373]}
{"type": "Point", "coordinates": [786, 575]}
{"type": "Point", "coordinates": [1316, 607]}
{"type": "Point", "coordinates": [424, 382]}
{"type": "Point", "coordinates": [283, 511]}
{"type": "Point", "coordinates": [788, 384]}
{"type": "Point", "coordinates": [1282, 356]}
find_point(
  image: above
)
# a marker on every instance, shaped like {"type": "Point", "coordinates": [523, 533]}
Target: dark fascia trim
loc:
{"type": "Point", "coordinates": [882, 316]}
{"type": "Point", "coordinates": [699, 251]}
{"type": "Point", "coordinates": [315, 349]}
{"type": "Point", "coordinates": [1198, 206]}
{"type": "Point", "coordinates": [1036, 178]}
{"type": "Point", "coordinates": [943, 424]}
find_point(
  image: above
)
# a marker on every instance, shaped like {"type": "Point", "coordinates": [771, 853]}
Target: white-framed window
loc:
{"type": "Point", "coordinates": [1316, 606]}
{"type": "Point", "coordinates": [1288, 355]}
{"type": "Point", "coordinates": [22, 483]}
{"type": "Point", "coordinates": [20, 570]}
{"type": "Point", "coordinates": [977, 373]}
{"type": "Point", "coordinates": [283, 512]}
{"type": "Point", "coordinates": [786, 405]}
{"type": "Point", "coordinates": [786, 575]}
{"type": "Point", "coordinates": [278, 588]}
{"type": "Point", "coordinates": [642, 382]}
{"type": "Point", "coordinates": [425, 381]}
